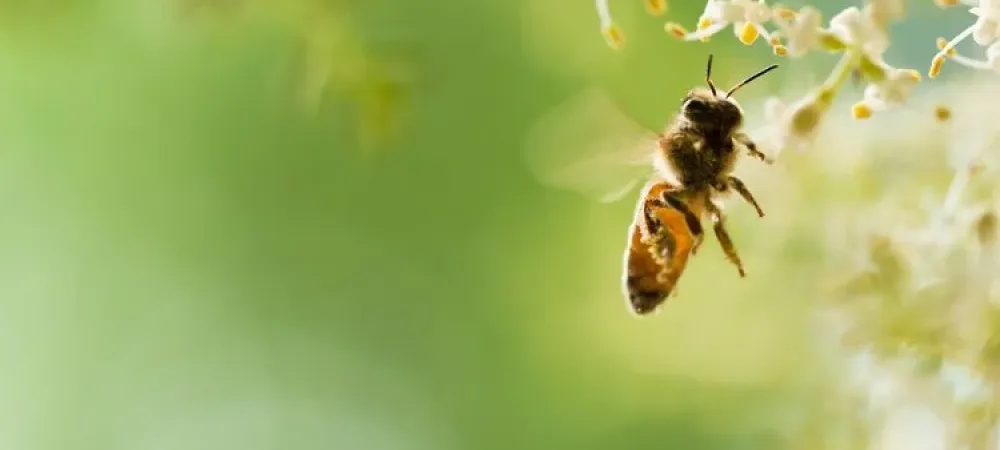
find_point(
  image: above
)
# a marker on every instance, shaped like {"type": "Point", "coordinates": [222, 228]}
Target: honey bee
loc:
{"type": "Point", "coordinates": [692, 164]}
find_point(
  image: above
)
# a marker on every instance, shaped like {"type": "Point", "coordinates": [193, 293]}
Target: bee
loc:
{"type": "Point", "coordinates": [692, 161]}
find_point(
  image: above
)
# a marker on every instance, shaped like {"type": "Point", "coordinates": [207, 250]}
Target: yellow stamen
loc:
{"type": "Point", "coordinates": [986, 228]}
{"type": "Point", "coordinates": [942, 113]}
{"type": "Point", "coordinates": [704, 23]}
{"type": "Point", "coordinates": [910, 73]}
{"type": "Point", "coordinates": [613, 35]}
{"type": "Point", "coordinates": [749, 33]}
{"type": "Point", "coordinates": [780, 50]}
{"type": "Point", "coordinates": [946, 3]}
{"type": "Point", "coordinates": [675, 29]}
{"type": "Point", "coordinates": [954, 41]}
{"type": "Point", "coordinates": [656, 7]}
{"type": "Point", "coordinates": [936, 64]}
{"type": "Point", "coordinates": [861, 111]}
{"type": "Point", "coordinates": [942, 43]}
{"type": "Point", "coordinates": [785, 13]}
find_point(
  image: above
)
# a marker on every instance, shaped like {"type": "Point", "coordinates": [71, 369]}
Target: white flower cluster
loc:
{"type": "Point", "coordinates": [985, 31]}
{"type": "Point", "coordinates": [922, 295]}
{"type": "Point", "coordinates": [860, 35]}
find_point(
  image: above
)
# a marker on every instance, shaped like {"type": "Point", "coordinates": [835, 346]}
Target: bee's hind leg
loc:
{"type": "Point", "coordinates": [741, 189]}
{"type": "Point", "coordinates": [662, 243]}
{"type": "Point", "coordinates": [697, 232]}
{"type": "Point", "coordinates": [719, 218]}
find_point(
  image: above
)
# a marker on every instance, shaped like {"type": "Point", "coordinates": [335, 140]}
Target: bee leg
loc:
{"type": "Point", "coordinates": [744, 139]}
{"type": "Point", "coordinates": [719, 218]}
{"type": "Point", "coordinates": [664, 249]}
{"type": "Point", "coordinates": [697, 232]}
{"type": "Point", "coordinates": [663, 244]}
{"type": "Point", "coordinates": [650, 222]}
{"type": "Point", "coordinates": [741, 189]}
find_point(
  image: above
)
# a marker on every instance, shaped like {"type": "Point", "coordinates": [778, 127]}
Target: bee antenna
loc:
{"type": "Point", "coordinates": [751, 78]}
{"type": "Point", "coordinates": [708, 75]}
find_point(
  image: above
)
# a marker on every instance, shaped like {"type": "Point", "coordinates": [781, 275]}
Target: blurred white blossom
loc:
{"type": "Point", "coordinates": [860, 33]}
{"type": "Point", "coordinates": [803, 32]}
{"type": "Point", "coordinates": [746, 16]}
{"type": "Point", "coordinates": [893, 90]}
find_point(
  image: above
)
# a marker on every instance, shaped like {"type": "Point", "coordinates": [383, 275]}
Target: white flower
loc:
{"type": "Point", "coordinates": [774, 136]}
{"type": "Point", "coordinates": [859, 32]}
{"type": "Point", "coordinates": [803, 33]}
{"type": "Point", "coordinates": [722, 12]}
{"type": "Point", "coordinates": [790, 127]}
{"type": "Point", "coordinates": [893, 90]}
{"type": "Point", "coordinates": [984, 31]}
{"type": "Point", "coordinates": [993, 56]}
{"type": "Point", "coordinates": [884, 11]}
{"type": "Point", "coordinates": [746, 16]}
{"type": "Point", "coordinates": [754, 12]}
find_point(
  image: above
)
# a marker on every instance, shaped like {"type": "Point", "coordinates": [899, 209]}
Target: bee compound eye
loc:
{"type": "Point", "coordinates": [695, 106]}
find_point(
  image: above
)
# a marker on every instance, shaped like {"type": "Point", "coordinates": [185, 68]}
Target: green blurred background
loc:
{"type": "Point", "coordinates": [201, 252]}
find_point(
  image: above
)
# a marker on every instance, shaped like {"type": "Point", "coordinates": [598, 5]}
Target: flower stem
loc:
{"type": "Point", "coordinates": [604, 13]}
{"type": "Point", "coordinates": [842, 72]}
{"type": "Point", "coordinates": [955, 191]}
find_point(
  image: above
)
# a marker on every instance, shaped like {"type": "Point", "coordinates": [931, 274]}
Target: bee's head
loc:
{"type": "Point", "coordinates": [704, 108]}
{"type": "Point", "coordinates": [709, 107]}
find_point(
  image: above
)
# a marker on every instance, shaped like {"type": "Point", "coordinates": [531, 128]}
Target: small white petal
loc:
{"type": "Point", "coordinates": [888, 9]}
{"type": "Point", "coordinates": [847, 19]}
{"type": "Point", "coordinates": [875, 97]}
{"type": "Point", "coordinates": [803, 33]}
{"type": "Point", "coordinates": [989, 8]}
{"type": "Point", "coordinates": [757, 12]}
{"type": "Point", "coordinates": [993, 56]}
{"type": "Point", "coordinates": [858, 31]}
{"type": "Point", "coordinates": [722, 11]}
{"type": "Point", "coordinates": [984, 31]}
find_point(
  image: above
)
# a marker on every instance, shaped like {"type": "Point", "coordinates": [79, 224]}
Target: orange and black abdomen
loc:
{"type": "Point", "coordinates": [658, 250]}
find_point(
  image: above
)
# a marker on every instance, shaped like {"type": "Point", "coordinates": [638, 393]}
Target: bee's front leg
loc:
{"type": "Point", "coordinates": [744, 140]}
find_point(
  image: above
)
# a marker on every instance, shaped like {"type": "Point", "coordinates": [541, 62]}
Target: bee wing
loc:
{"type": "Point", "coordinates": [588, 145]}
